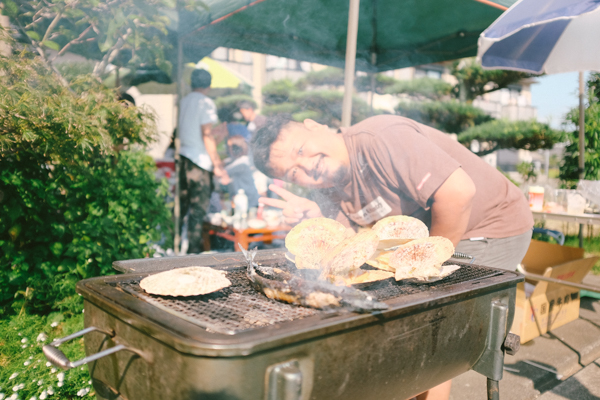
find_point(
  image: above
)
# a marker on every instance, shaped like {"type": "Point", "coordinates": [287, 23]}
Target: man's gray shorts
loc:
{"type": "Point", "coordinates": [504, 253]}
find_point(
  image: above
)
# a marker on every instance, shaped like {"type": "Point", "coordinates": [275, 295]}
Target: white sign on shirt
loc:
{"type": "Point", "coordinates": [372, 212]}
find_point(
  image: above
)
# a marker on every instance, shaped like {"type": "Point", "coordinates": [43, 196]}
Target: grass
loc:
{"type": "Point", "coordinates": [591, 247]}
{"type": "Point", "coordinates": [24, 367]}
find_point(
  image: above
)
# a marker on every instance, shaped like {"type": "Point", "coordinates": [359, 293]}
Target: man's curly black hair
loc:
{"type": "Point", "coordinates": [264, 138]}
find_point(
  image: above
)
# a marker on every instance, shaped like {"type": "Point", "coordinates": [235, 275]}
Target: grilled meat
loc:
{"type": "Point", "coordinates": [281, 285]}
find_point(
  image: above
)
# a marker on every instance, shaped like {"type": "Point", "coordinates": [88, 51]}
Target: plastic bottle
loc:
{"type": "Point", "coordinates": [240, 202]}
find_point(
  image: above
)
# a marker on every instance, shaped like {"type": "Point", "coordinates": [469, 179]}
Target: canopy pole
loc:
{"type": "Point", "coordinates": [581, 127]}
{"type": "Point", "coordinates": [176, 209]}
{"type": "Point", "coordinates": [350, 62]}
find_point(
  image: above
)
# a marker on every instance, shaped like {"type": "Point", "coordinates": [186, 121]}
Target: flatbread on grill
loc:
{"type": "Point", "coordinates": [399, 229]}
{"type": "Point", "coordinates": [189, 281]}
{"type": "Point", "coordinates": [350, 254]}
{"type": "Point", "coordinates": [421, 258]}
{"type": "Point", "coordinates": [311, 239]}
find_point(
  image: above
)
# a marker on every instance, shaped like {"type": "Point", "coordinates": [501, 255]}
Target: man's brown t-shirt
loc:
{"type": "Point", "coordinates": [397, 165]}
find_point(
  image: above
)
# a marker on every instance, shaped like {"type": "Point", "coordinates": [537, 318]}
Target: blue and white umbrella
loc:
{"type": "Point", "coordinates": [544, 36]}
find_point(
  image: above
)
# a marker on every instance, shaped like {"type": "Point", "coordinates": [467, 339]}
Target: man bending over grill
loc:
{"type": "Point", "coordinates": [390, 165]}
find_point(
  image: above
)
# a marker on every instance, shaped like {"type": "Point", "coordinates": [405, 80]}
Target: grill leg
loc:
{"type": "Point", "coordinates": [493, 389]}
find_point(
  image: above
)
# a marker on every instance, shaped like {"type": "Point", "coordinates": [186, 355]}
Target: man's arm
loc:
{"type": "Point", "coordinates": [211, 148]}
{"type": "Point", "coordinates": [451, 208]}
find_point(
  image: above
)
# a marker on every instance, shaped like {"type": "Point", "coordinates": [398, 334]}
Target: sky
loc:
{"type": "Point", "coordinates": [554, 96]}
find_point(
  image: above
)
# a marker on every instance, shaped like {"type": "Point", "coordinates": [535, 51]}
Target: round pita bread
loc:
{"type": "Point", "coordinates": [312, 238]}
{"type": "Point", "coordinates": [189, 281]}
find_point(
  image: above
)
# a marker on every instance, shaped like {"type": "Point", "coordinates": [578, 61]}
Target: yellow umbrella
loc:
{"type": "Point", "coordinates": [222, 76]}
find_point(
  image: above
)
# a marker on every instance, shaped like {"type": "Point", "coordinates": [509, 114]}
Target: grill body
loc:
{"type": "Point", "coordinates": [430, 334]}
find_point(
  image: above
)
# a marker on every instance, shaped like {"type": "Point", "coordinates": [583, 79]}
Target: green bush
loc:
{"type": "Point", "coordinates": [227, 106]}
{"type": "Point", "coordinates": [278, 91]}
{"type": "Point", "coordinates": [72, 201]}
{"type": "Point", "coordinates": [382, 83]}
{"type": "Point", "coordinates": [327, 106]}
{"type": "Point", "coordinates": [427, 88]}
{"type": "Point", "coordinates": [447, 116]}
{"type": "Point", "coordinates": [329, 76]}
{"type": "Point", "coordinates": [282, 108]}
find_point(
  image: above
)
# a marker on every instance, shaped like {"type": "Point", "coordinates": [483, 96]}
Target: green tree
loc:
{"type": "Point", "coordinates": [447, 116]}
{"type": "Point", "coordinates": [116, 31]}
{"type": "Point", "coordinates": [569, 170]}
{"type": "Point", "coordinates": [504, 134]}
{"type": "Point", "coordinates": [75, 194]}
{"type": "Point", "coordinates": [421, 88]}
{"type": "Point", "coordinates": [474, 81]}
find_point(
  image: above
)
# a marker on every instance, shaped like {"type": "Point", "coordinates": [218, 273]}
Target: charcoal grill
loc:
{"type": "Point", "coordinates": [237, 344]}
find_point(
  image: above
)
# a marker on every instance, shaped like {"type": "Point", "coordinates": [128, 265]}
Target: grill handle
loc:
{"type": "Point", "coordinates": [60, 360]}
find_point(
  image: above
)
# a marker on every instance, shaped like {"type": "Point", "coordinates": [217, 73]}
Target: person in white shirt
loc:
{"type": "Point", "coordinates": [199, 157]}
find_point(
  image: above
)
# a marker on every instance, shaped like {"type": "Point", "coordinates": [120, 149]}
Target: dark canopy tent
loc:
{"type": "Point", "coordinates": [400, 33]}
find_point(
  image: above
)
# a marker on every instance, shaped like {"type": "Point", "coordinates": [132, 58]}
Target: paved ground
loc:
{"type": "Point", "coordinates": [568, 363]}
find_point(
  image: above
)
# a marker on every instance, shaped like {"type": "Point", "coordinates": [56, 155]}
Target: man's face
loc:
{"type": "Point", "coordinates": [247, 113]}
{"type": "Point", "coordinates": [311, 155]}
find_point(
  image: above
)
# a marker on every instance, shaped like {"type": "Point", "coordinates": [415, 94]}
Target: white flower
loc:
{"type": "Point", "coordinates": [82, 311]}
{"type": "Point", "coordinates": [24, 346]}
{"type": "Point", "coordinates": [33, 398]}
{"type": "Point", "coordinates": [54, 324]}
{"type": "Point", "coordinates": [26, 363]}
{"type": "Point", "coordinates": [14, 397]}
{"type": "Point", "coordinates": [24, 340]}
{"type": "Point", "coordinates": [40, 382]}
{"type": "Point", "coordinates": [43, 395]}
{"type": "Point", "coordinates": [60, 376]}
{"type": "Point", "coordinates": [18, 387]}
{"type": "Point", "coordinates": [42, 337]}
{"type": "Point", "coordinates": [83, 392]}
{"type": "Point", "coordinates": [53, 370]}
{"type": "Point", "coordinates": [1, 396]}
{"type": "Point", "coordinates": [13, 376]}
{"type": "Point", "coordinates": [90, 382]}
{"type": "Point", "coordinates": [50, 391]}
{"type": "Point", "coordinates": [20, 334]}
{"type": "Point", "coordinates": [59, 384]}
{"type": "Point", "coordinates": [48, 364]}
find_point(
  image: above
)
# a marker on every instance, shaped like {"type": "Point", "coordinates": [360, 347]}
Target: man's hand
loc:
{"type": "Point", "coordinates": [295, 208]}
{"type": "Point", "coordinates": [223, 176]}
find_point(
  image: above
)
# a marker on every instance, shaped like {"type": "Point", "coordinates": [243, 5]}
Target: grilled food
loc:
{"type": "Point", "coordinates": [349, 254]}
{"type": "Point", "coordinates": [281, 285]}
{"type": "Point", "coordinates": [190, 281]}
{"type": "Point", "coordinates": [310, 240]}
{"type": "Point", "coordinates": [421, 259]}
{"type": "Point", "coordinates": [399, 229]}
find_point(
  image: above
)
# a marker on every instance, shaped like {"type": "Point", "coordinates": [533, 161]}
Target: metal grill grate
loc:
{"type": "Point", "coordinates": [239, 307]}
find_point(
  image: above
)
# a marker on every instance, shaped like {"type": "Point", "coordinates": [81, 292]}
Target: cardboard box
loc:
{"type": "Point", "coordinates": [549, 305]}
